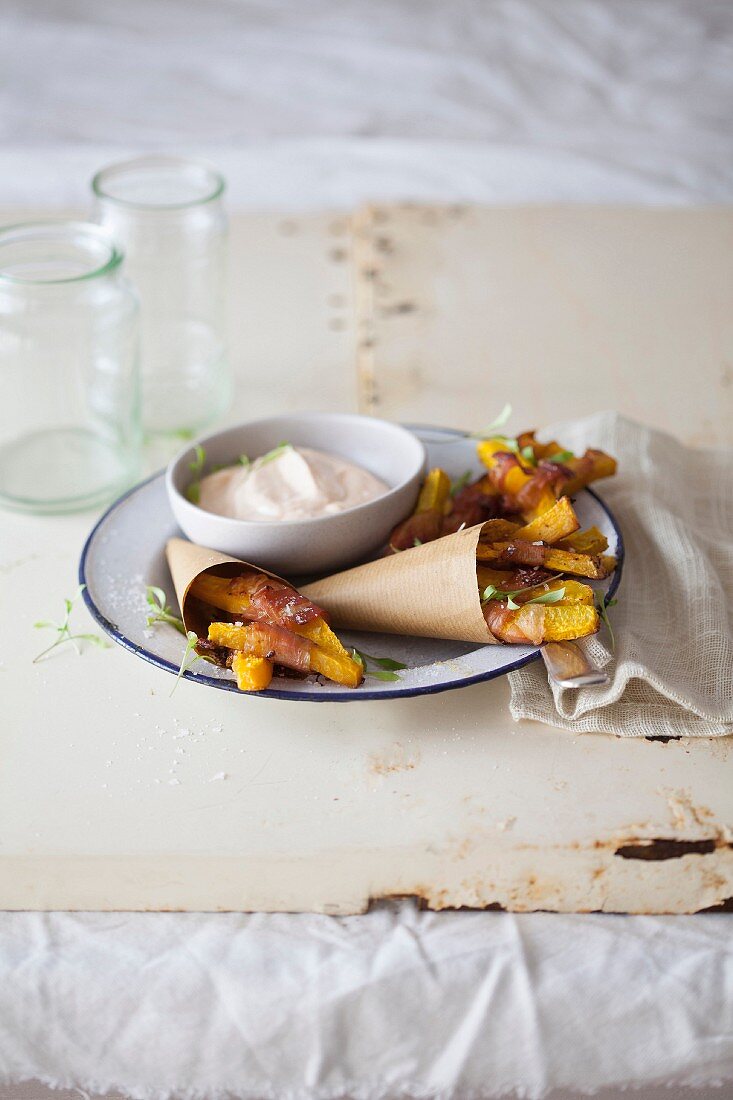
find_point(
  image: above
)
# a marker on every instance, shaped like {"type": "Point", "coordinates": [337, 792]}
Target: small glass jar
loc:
{"type": "Point", "coordinates": [167, 214]}
{"type": "Point", "coordinates": [69, 368]}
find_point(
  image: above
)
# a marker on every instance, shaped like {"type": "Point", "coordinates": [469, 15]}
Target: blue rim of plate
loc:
{"type": "Point", "coordinates": [358, 695]}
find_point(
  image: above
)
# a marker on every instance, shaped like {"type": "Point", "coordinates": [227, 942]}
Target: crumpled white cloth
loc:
{"type": "Point", "coordinates": [344, 101]}
{"type": "Point", "coordinates": [672, 666]}
{"type": "Point", "coordinates": [396, 1003]}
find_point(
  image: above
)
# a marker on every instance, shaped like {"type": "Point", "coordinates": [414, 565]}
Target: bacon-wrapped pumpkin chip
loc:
{"type": "Point", "coordinates": [283, 628]}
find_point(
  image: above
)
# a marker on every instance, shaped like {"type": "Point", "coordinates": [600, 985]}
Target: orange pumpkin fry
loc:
{"type": "Point", "coordinates": [556, 523]}
{"type": "Point", "coordinates": [540, 623]}
{"type": "Point", "coordinates": [511, 554]}
{"type": "Point", "coordinates": [591, 466]}
{"type": "Point", "coordinates": [342, 669]}
{"type": "Point", "coordinates": [215, 592]}
{"type": "Point", "coordinates": [435, 493]}
{"type": "Point", "coordinates": [590, 541]}
{"type": "Point", "coordinates": [252, 673]}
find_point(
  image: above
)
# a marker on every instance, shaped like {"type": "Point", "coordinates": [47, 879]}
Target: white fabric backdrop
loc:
{"type": "Point", "coordinates": [315, 105]}
{"type": "Point", "coordinates": [337, 101]}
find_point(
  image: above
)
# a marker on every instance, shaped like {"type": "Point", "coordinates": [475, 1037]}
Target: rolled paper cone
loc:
{"type": "Point", "coordinates": [430, 591]}
{"type": "Point", "coordinates": [187, 561]}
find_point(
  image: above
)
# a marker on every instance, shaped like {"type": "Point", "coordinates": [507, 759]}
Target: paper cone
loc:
{"type": "Point", "coordinates": [187, 561]}
{"type": "Point", "coordinates": [429, 591]}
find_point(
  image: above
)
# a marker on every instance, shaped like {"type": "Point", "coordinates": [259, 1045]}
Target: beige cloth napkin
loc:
{"type": "Point", "coordinates": [672, 669]}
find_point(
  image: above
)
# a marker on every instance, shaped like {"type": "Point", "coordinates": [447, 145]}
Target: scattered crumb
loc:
{"type": "Point", "coordinates": [174, 782]}
{"type": "Point", "coordinates": [219, 775]}
{"type": "Point", "coordinates": [507, 823]}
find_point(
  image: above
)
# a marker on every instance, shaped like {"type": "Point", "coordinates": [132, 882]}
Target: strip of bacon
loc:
{"type": "Point", "coordinates": [524, 553]}
{"type": "Point", "coordinates": [502, 463]}
{"type": "Point", "coordinates": [548, 475]}
{"type": "Point", "coordinates": [275, 602]}
{"type": "Point", "coordinates": [264, 640]}
{"type": "Point", "coordinates": [502, 623]}
{"type": "Point", "coordinates": [416, 529]}
{"type": "Point", "coordinates": [472, 505]}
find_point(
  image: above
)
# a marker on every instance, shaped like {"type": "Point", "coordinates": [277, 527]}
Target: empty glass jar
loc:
{"type": "Point", "coordinates": [69, 368]}
{"type": "Point", "coordinates": [167, 214]}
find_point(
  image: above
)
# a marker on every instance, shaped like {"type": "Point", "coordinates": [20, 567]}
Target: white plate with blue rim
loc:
{"type": "Point", "coordinates": [117, 566]}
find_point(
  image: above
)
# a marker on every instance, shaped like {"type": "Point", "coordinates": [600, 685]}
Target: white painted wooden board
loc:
{"type": "Point", "coordinates": [323, 807]}
{"type": "Point", "coordinates": [563, 310]}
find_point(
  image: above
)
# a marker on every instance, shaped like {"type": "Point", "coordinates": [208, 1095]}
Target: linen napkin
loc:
{"type": "Point", "coordinates": [672, 666]}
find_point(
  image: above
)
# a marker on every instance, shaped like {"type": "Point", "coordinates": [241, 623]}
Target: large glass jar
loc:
{"type": "Point", "coordinates": [69, 368]}
{"type": "Point", "coordinates": [167, 214]}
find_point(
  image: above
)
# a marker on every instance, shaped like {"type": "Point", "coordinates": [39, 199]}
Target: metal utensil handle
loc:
{"type": "Point", "coordinates": [568, 665]}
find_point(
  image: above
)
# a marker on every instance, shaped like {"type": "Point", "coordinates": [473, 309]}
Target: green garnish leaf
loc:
{"type": "Point", "coordinates": [416, 541]}
{"type": "Point", "coordinates": [602, 605]}
{"type": "Point", "coordinates": [274, 453]}
{"type": "Point", "coordinates": [490, 431]}
{"type": "Point", "coordinates": [196, 466]}
{"type": "Point", "coordinates": [527, 454]}
{"type": "Point", "coordinates": [161, 612]}
{"type": "Point", "coordinates": [460, 483]}
{"type": "Point", "coordinates": [63, 630]}
{"type": "Point", "coordinates": [386, 668]}
{"type": "Point", "coordinates": [189, 657]}
{"type": "Point", "coordinates": [244, 460]}
{"type": "Point", "coordinates": [560, 456]}
{"type": "Point", "coordinates": [491, 592]}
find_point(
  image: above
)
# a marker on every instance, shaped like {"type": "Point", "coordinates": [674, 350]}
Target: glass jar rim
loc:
{"type": "Point", "coordinates": [60, 230]}
{"type": "Point", "coordinates": [153, 162]}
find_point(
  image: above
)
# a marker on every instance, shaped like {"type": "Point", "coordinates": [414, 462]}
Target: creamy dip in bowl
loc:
{"type": "Point", "coordinates": [288, 483]}
{"type": "Point", "coordinates": [297, 494]}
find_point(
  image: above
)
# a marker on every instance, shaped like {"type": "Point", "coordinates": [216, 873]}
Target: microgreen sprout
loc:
{"type": "Point", "coordinates": [489, 432]}
{"type": "Point", "coordinates": [386, 668]}
{"type": "Point", "coordinates": [244, 460]}
{"type": "Point", "coordinates": [188, 658]}
{"type": "Point", "coordinates": [491, 592]}
{"type": "Point", "coordinates": [460, 483]}
{"type": "Point", "coordinates": [161, 612]}
{"type": "Point", "coordinates": [527, 456]}
{"type": "Point", "coordinates": [196, 466]}
{"type": "Point", "coordinates": [560, 456]}
{"type": "Point", "coordinates": [416, 541]}
{"type": "Point", "coordinates": [274, 453]}
{"type": "Point", "coordinates": [63, 630]}
{"type": "Point", "coordinates": [602, 605]}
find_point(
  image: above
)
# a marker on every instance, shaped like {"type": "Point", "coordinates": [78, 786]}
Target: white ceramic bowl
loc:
{"type": "Point", "coordinates": [306, 546]}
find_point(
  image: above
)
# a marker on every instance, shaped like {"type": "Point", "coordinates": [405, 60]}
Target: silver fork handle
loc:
{"type": "Point", "coordinates": [568, 665]}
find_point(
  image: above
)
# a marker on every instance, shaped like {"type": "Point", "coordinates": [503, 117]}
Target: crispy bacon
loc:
{"type": "Point", "coordinates": [548, 475]}
{"type": "Point", "coordinates": [274, 601]}
{"type": "Point", "coordinates": [502, 623]}
{"type": "Point", "coordinates": [523, 552]}
{"type": "Point", "coordinates": [218, 654]}
{"type": "Point", "coordinates": [418, 528]}
{"type": "Point", "coordinates": [277, 644]}
{"type": "Point", "coordinates": [472, 505]}
{"type": "Point", "coordinates": [526, 578]}
{"type": "Point", "coordinates": [502, 463]}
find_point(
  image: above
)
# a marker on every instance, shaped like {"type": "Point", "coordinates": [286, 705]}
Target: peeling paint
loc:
{"type": "Point", "coordinates": [665, 848]}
